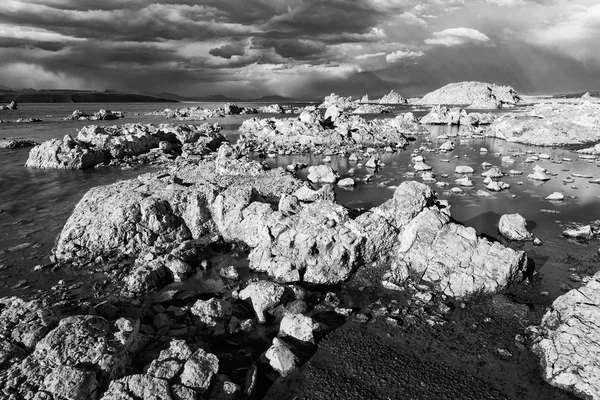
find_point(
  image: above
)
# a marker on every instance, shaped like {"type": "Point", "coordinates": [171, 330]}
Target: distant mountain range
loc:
{"type": "Point", "coordinates": [219, 98]}
{"type": "Point", "coordinates": [28, 95]}
{"type": "Point", "coordinates": [574, 95]}
{"type": "Point", "coordinates": [75, 96]}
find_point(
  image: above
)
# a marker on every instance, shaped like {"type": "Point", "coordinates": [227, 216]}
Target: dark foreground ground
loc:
{"type": "Point", "coordinates": [476, 354]}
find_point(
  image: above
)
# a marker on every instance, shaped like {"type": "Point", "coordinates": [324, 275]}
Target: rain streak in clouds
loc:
{"type": "Point", "coordinates": [299, 48]}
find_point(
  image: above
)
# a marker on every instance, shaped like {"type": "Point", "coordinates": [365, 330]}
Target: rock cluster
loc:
{"type": "Point", "coordinates": [440, 115]}
{"type": "Point", "coordinates": [335, 132]}
{"type": "Point", "coordinates": [339, 101]}
{"type": "Point", "coordinates": [392, 98]}
{"type": "Point", "coordinates": [96, 145]}
{"type": "Point", "coordinates": [568, 341]}
{"type": "Point", "coordinates": [550, 125]}
{"type": "Point", "coordinates": [102, 115]}
{"type": "Point", "coordinates": [472, 94]}
{"type": "Point", "coordinates": [189, 113]}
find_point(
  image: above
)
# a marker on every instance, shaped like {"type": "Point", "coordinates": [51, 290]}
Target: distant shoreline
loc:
{"type": "Point", "coordinates": [73, 96]}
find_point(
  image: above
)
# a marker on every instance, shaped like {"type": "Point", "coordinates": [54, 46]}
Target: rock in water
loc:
{"type": "Point", "coordinates": [474, 94]}
{"type": "Point", "coordinates": [322, 174]}
{"type": "Point", "coordinates": [391, 98]}
{"type": "Point", "coordinates": [447, 255]}
{"type": "Point", "coordinates": [568, 341]}
{"type": "Point", "coordinates": [514, 227]}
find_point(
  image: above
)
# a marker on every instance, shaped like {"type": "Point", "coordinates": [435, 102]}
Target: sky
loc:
{"type": "Point", "coordinates": [299, 48]}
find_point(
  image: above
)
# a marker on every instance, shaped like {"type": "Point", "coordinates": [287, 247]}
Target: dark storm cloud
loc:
{"type": "Point", "coordinates": [297, 46]}
{"type": "Point", "coordinates": [227, 51]}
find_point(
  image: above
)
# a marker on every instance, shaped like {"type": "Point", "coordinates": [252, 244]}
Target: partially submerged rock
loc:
{"type": "Point", "coordinates": [568, 341]}
{"type": "Point", "coordinates": [102, 115]}
{"type": "Point", "coordinates": [514, 227]}
{"type": "Point", "coordinates": [99, 144]}
{"type": "Point", "coordinates": [333, 132]}
{"type": "Point", "coordinates": [473, 94]}
{"type": "Point", "coordinates": [11, 143]}
{"type": "Point", "coordinates": [391, 98]}
{"type": "Point", "coordinates": [550, 125]}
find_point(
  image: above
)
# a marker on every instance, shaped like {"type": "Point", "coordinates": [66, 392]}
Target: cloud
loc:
{"type": "Point", "coordinates": [575, 35]}
{"type": "Point", "coordinates": [228, 50]}
{"type": "Point", "coordinates": [309, 47]}
{"type": "Point", "coordinates": [457, 37]}
{"type": "Point", "coordinates": [402, 55]}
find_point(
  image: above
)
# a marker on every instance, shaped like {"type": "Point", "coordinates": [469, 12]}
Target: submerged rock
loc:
{"type": "Point", "coordinates": [568, 341]}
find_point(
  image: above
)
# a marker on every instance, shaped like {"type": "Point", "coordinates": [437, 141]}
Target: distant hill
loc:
{"type": "Point", "coordinates": [575, 95]}
{"type": "Point", "coordinates": [219, 98]}
{"type": "Point", "coordinates": [75, 96]}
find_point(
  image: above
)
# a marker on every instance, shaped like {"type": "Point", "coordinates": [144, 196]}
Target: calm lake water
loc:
{"type": "Point", "coordinates": [37, 203]}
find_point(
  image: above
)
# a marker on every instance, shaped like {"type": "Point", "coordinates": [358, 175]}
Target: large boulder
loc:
{"type": "Point", "coordinates": [322, 174]}
{"type": "Point", "coordinates": [433, 249]}
{"type": "Point", "coordinates": [568, 341]}
{"type": "Point", "coordinates": [474, 94]}
{"type": "Point", "coordinates": [318, 244]}
{"type": "Point", "coordinates": [64, 154]}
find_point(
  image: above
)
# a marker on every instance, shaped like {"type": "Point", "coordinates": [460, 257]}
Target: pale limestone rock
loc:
{"type": "Point", "coordinates": [568, 341]}
{"type": "Point", "coordinates": [263, 295]}
{"type": "Point", "coordinates": [514, 227]}
{"type": "Point", "coordinates": [200, 370]}
{"type": "Point", "coordinates": [299, 327]}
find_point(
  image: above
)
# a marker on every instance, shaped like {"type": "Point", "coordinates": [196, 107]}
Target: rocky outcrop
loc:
{"type": "Point", "coordinates": [392, 98]}
{"type": "Point", "coordinates": [433, 249]}
{"type": "Point", "coordinates": [568, 341]}
{"type": "Point", "coordinates": [272, 109]}
{"type": "Point", "coordinates": [293, 236]}
{"type": "Point", "coordinates": [102, 115]}
{"type": "Point", "coordinates": [158, 212]}
{"type": "Point", "coordinates": [234, 109]}
{"type": "Point", "coordinates": [339, 101]}
{"type": "Point", "coordinates": [310, 133]}
{"type": "Point", "coordinates": [100, 144]}
{"type": "Point", "coordinates": [189, 113]}
{"type": "Point", "coordinates": [550, 125]}
{"type": "Point", "coordinates": [440, 115]}
{"type": "Point", "coordinates": [472, 94]}
{"type": "Point", "coordinates": [69, 355]}
{"type": "Point", "coordinates": [11, 143]}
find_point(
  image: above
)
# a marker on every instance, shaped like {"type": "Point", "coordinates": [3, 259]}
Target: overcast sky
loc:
{"type": "Point", "coordinates": [299, 48]}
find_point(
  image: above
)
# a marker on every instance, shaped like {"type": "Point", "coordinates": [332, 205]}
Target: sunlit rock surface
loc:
{"type": "Point", "coordinates": [550, 125]}
{"type": "Point", "coordinates": [100, 144]}
{"type": "Point", "coordinates": [472, 94]}
{"type": "Point", "coordinates": [568, 341]}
